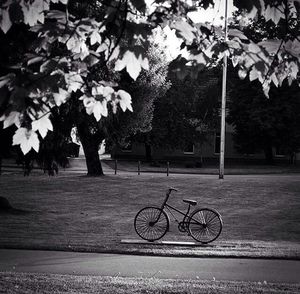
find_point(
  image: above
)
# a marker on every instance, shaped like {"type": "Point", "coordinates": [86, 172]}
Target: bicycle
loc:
{"type": "Point", "coordinates": [203, 224]}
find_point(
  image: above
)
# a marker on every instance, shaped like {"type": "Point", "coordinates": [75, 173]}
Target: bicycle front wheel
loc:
{"type": "Point", "coordinates": [151, 223]}
{"type": "Point", "coordinates": [205, 225]}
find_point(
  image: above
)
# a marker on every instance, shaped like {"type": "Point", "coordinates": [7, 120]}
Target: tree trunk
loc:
{"type": "Point", "coordinates": [92, 159]}
{"type": "Point", "coordinates": [269, 154]}
{"type": "Point", "coordinates": [90, 144]}
{"type": "Point", "coordinates": [148, 152]}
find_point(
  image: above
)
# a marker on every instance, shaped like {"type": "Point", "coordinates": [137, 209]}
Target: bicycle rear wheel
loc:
{"type": "Point", "coordinates": [151, 223]}
{"type": "Point", "coordinates": [205, 225]}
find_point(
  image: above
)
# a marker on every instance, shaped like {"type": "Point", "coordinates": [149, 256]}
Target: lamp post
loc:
{"type": "Point", "coordinates": [223, 107]}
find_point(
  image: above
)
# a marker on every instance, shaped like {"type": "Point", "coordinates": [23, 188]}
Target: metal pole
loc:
{"type": "Point", "coordinates": [139, 167]}
{"type": "Point", "coordinates": [116, 166]}
{"type": "Point", "coordinates": [168, 167]}
{"type": "Point", "coordinates": [223, 108]}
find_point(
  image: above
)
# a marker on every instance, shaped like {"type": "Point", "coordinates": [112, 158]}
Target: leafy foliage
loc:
{"type": "Point", "coordinates": [263, 124]}
{"type": "Point", "coordinates": [64, 40]}
{"type": "Point", "coordinates": [188, 112]}
{"type": "Point", "coordinates": [150, 86]}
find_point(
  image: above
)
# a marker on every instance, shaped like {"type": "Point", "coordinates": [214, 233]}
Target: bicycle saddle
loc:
{"type": "Point", "coordinates": [192, 202]}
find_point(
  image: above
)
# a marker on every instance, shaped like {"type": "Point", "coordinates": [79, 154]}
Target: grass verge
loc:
{"type": "Point", "coordinates": [261, 214]}
{"type": "Point", "coordinates": [51, 283]}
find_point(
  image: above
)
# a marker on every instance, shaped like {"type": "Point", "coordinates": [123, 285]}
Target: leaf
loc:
{"type": "Point", "coordinates": [103, 91]}
{"type": "Point", "coordinates": [199, 58]}
{"type": "Point", "coordinates": [184, 30]}
{"type": "Point", "coordinates": [249, 4]}
{"type": "Point", "coordinates": [132, 63]}
{"type": "Point", "coordinates": [252, 14]}
{"type": "Point", "coordinates": [4, 82]}
{"type": "Point", "coordinates": [293, 47]}
{"type": "Point", "coordinates": [274, 79]}
{"type": "Point", "coordinates": [12, 118]}
{"type": "Point", "coordinates": [95, 38]}
{"type": "Point", "coordinates": [242, 73]}
{"type": "Point", "coordinates": [266, 88]}
{"type": "Point", "coordinates": [42, 125]}
{"type": "Point", "coordinates": [237, 33]}
{"type": "Point", "coordinates": [235, 60]}
{"type": "Point", "coordinates": [125, 100]}
{"type": "Point", "coordinates": [254, 74]}
{"type": "Point", "coordinates": [27, 139]}
{"type": "Point", "coordinates": [34, 11]}
{"type": "Point", "coordinates": [91, 60]}
{"type": "Point", "coordinates": [34, 60]}
{"type": "Point", "coordinates": [258, 71]}
{"type": "Point", "coordinates": [140, 5]}
{"type": "Point", "coordinates": [100, 109]}
{"type": "Point", "coordinates": [74, 81]}
{"type": "Point", "coordinates": [48, 65]}
{"type": "Point", "coordinates": [5, 22]}
{"type": "Point", "coordinates": [271, 46]}
{"type": "Point", "coordinates": [293, 70]}
{"type": "Point", "coordinates": [274, 13]}
{"type": "Point", "coordinates": [89, 103]}
{"type": "Point", "coordinates": [252, 47]}
{"type": "Point", "coordinates": [58, 15]}
{"type": "Point", "coordinates": [6, 79]}
{"type": "Point", "coordinates": [61, 96]}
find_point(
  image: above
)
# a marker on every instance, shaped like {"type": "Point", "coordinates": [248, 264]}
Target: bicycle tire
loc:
{"type": "Point", "coordinates": [148, 227]}
{"type": "Point", "coordinates": [205, 225]}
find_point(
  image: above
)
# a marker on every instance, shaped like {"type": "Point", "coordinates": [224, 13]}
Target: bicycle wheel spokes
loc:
{"type": "Point", "coordinates": [205, 225]}
{"type": "Point", "coordinates": [151, 223]}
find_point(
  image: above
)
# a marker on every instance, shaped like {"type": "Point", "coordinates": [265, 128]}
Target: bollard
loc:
{"type": "Point", "coordinates": [116, 166]}
{"type": "Point", "coordinates": [168, 166]}
{"type": "Point", "coordinates": [139, 167]}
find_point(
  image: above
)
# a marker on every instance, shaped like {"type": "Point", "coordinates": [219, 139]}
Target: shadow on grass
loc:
{"type": "Point", "coordinates": [6, 208]}
{"type": "Point", "coordinates": [14, 211]}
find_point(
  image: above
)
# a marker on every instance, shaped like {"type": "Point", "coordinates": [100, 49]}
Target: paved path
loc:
{"type": "Point", "coordinates": [282, 271]}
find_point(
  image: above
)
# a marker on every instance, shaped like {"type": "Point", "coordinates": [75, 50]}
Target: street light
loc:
{"type": "Point", "coordinates": [223, 107]}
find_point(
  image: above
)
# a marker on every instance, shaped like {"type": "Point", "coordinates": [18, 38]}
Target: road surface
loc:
{"type": "Point", "coordinates": [230, 269]}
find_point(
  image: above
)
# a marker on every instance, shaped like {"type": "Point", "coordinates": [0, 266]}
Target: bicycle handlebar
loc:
{"type": "Point", "coordinates": [169, 191]}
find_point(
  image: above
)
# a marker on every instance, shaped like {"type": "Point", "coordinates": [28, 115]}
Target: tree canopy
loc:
{"type": "Point", "coordinates": [264, 124]}
{"type": "Point", "coordinates": [51, 47]}
{"type": "Point", "coordinates": [188, 112]}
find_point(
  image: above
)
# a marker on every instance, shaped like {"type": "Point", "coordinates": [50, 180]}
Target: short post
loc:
{"type": "Point", "coordinates": [139, 167]}
{"type": "Point", "coordinates": [168, 167]}
{"type": "Point", "coordinates": [116, 166]}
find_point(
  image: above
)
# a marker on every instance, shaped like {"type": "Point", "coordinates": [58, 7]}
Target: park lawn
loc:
{"type": "Point", "coordinates": [261, 214]}
{"type": "Point", "coordinates": [51, 283]}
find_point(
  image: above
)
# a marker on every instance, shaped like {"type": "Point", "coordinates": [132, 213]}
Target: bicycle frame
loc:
{"type": "Point", "coordinates": [185, 215]}
{"type": "Point", "coordinates": [170, 207]}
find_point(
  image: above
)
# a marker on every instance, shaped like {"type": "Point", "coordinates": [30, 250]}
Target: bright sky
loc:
{"type": "Point", "coordinates": [213, 15]}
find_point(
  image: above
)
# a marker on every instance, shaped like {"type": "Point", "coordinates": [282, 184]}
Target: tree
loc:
{"type": "Point", "coordinates": [65, 40]}
{"type": "Point", "coordinates": [149, 87]}
{"type": "Point", "coordinates": [264, 124]}
{"type": "Point", "coordinates": [260, 123]}
{"type": "Point", "coordinates": [187, 114]}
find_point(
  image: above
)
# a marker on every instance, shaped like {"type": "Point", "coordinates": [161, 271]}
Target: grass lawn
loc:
{"type": "Point", "coordinates": [261, 214]}
{"type": "Point", "coordinates": [41, 283]}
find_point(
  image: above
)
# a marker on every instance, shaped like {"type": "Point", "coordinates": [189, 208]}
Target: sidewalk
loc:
{"type": "Point", "coordinates": [176, 168]}
{"type": "Point", "coordinates": [110, 166]}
